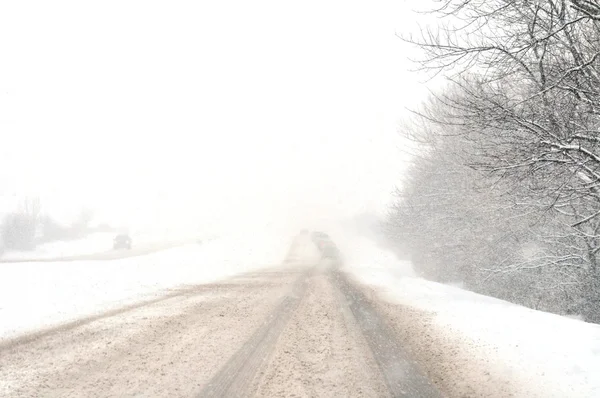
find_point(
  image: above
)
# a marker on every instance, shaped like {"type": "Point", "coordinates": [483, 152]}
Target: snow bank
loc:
{"type": "Point", "coordinates": [545, 354]}
{"type": "Point", "coordinates": [41, 294]}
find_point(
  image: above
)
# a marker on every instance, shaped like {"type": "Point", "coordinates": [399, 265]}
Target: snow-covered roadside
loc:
{"type": "Point", "coordinates": [41, 294]}
{"type": "Point", "coordinates": [532, 352]}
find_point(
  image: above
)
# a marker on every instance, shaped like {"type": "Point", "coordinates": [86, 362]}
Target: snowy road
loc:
{"type": "Point", "coordinates": [301, 331]}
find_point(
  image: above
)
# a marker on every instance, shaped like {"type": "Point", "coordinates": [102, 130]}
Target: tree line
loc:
{"type": "Point", "coordinates": [505, 194]}
{"type": "Point", "coordinates": [26, 225]}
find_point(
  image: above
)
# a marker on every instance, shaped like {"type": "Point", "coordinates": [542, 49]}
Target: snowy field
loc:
{"type": "Point", "coordinates": [97, 243]}
{"type": "Point", "coordinates": [92, 244]}
{"type": "Point", "coordinates": [545, 354]}
{"type": "Point", "coordinates": [36, 295]}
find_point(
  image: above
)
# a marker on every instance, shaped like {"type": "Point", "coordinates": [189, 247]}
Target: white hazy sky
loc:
{"type": "Point", "coordinates": [204, 110]}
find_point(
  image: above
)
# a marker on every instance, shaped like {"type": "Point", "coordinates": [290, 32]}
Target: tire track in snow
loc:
{"type": "Point", "coordinates": [169, 294]}
{"type": "Point", "coordinates": [169, 349]}
{"type": "Point", "coordinates": [322, 351]}
{"type": "Point", "coordinates": [235, 377]}
{"type": "Point", "coordinates": [402, 377]}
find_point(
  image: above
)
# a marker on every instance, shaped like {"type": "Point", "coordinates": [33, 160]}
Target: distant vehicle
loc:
{"type": "Point", "coordinates": [325, 245]}
{"type": "Point", "coordinates": [122, 241]}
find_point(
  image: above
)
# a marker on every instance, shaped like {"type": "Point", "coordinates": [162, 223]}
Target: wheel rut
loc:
{"type": "Point", "coordinates": [324, 338]}
{"type": "Point", "coordinates": [236, 376]}
{"type": "Point", "coordinates": [403, 378]}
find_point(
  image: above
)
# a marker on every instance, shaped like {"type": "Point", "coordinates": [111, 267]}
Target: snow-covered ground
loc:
{"type": "Point", "coordinates": [540, 353]}
{"type": "Point", "coordinates": [36, 295]}
{"type": "Point", "coordinates": [92, 244]}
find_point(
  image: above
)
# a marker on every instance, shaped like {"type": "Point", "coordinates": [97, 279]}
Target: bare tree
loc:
{"type": "Point", "coordinates": [524, 110]}
{"type": "Point", "coordinates": [20, 227]}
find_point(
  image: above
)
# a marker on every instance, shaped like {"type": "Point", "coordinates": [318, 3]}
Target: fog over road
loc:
{"type": "Point", "coordinates": [297, 330]}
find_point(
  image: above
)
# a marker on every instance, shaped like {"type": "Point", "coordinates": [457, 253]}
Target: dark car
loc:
{"type": "Point", "coordinates": [325, 245]}
{"type": "Point", "coordinates": [122, 241]}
